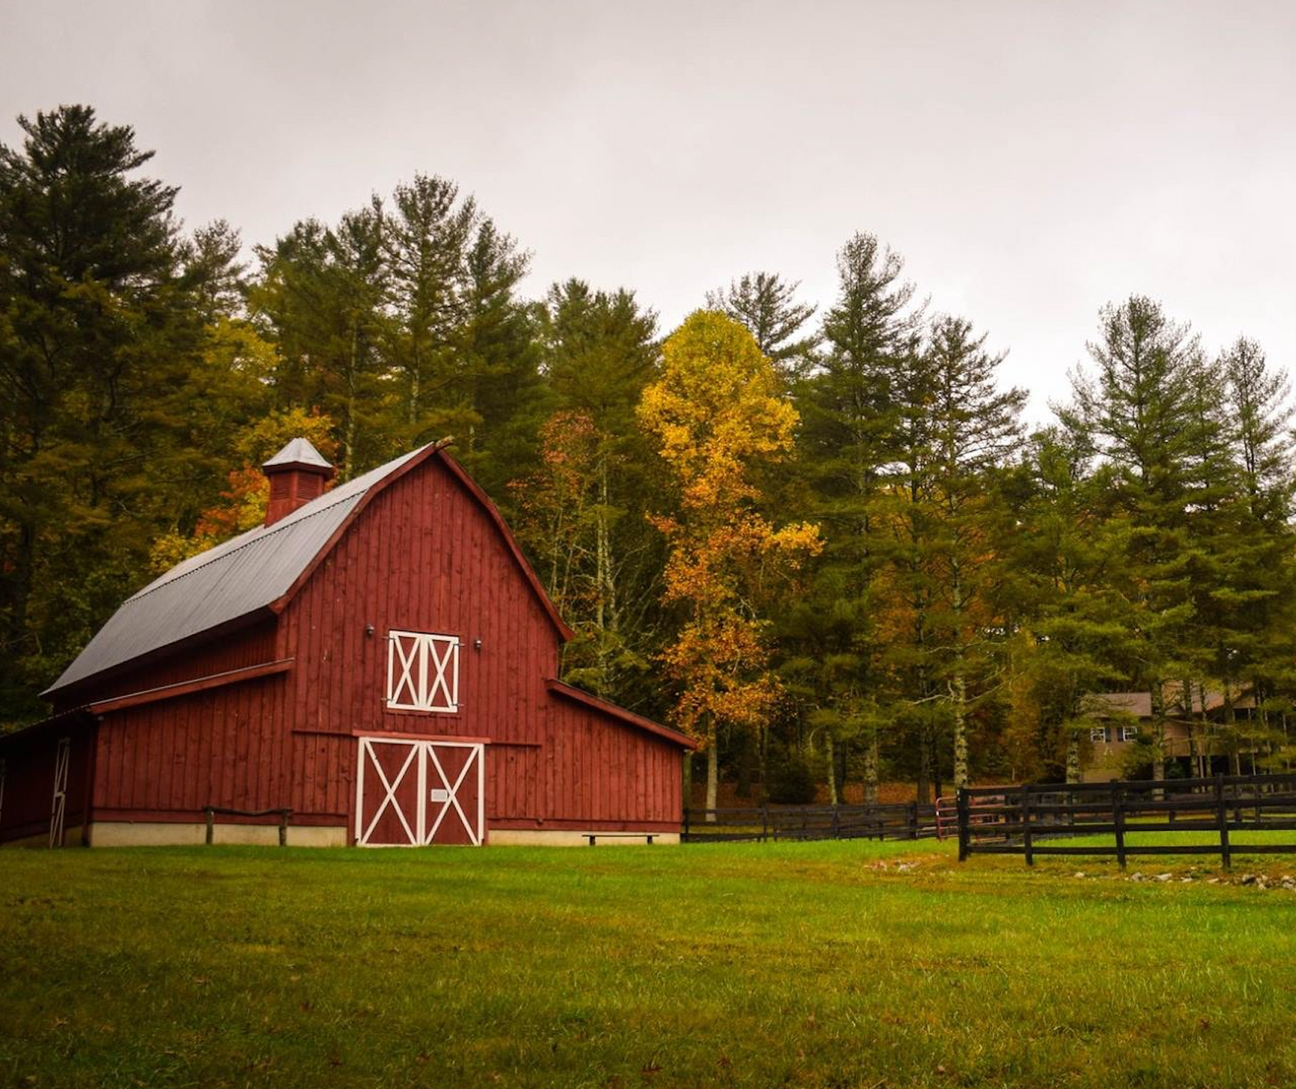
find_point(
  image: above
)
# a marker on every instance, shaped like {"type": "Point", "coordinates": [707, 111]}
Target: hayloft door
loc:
{"type": "Point", "coordinates": [412, 793]}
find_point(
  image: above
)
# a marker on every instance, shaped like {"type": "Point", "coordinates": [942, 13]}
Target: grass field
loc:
{"type": "Point", "coordinates": [827, 964]}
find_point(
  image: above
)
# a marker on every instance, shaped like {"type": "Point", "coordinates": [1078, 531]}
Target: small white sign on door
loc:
{"type": "Point", "coordinates": [439, 795]}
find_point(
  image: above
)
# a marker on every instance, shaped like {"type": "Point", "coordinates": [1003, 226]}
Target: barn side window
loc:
{"type": "Point", "coordinates": [422, 671]}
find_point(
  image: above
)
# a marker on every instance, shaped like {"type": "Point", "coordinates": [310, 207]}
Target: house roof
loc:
{"type": "Point", "coordinates": [1139, 704]}
{"type": "Point", "coordinates": [257, 570]}
{"type": "Point", "coordinates": [1130, 703]}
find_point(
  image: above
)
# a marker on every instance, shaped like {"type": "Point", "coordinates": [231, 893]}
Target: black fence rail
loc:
{"type": "Point", "coordinates": [213, 810]}
{"type": "Point", "coordinates": [804, 822]}
{"type": "Point", "coordinates": [1030, 820]}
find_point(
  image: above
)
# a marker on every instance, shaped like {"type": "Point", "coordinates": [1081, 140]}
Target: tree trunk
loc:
{"type": "Point", "coordinates": [924, 766]}
{"type": "Point", "coordinates": [831, 760]}
{"type": "Point", "coordinates": [1158, 731]}
{"type": "Point", "coordinates": [414, 390]}
{"type": "Point", "coordinates": [762, 738]}
{"type": "Point", "coordinates": [348, 458]}
{"type": "Point", "coordinates": [871, 768]}
{"type": "Point", "coordinates": [713, 770]}
{"type": "Point", "coordinates": [958, 710]}
{"type": "Point", "coordinates": [686, 772]}
{"type": "Point", "coordinates": [1073, 774]}
{"type": "Point", "coordinates": [937, 785]}
{"type": "Point", "coordinates": [605, 608]}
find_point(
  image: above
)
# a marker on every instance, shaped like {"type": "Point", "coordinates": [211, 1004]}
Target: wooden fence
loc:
{"type": "Point", "coordinates": [802, 822]}
{"type": "Point", "coordinates": [1030, 820]}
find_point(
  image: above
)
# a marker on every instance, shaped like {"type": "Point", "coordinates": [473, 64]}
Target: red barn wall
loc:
{"type": "Point", "coordinates": [421, 556]}
{"type": "Point", "coordinates": [29, 784]}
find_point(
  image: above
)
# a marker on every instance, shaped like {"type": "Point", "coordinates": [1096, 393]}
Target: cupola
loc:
{"type": "Point", "coordinates": [297, 474]}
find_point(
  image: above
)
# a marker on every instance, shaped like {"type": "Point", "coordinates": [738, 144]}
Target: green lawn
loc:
{"type": "Point", "coordinates": [827, 964]}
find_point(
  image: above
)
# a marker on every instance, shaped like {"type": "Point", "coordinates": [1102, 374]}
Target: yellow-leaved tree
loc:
{"type": "Point", "coordinates": [717, 417]}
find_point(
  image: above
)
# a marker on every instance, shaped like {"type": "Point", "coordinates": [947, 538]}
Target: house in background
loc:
{"type": "Point", "coordinates": [378, 658]}
{"type": "Point", "coordinates": [1195, 732]}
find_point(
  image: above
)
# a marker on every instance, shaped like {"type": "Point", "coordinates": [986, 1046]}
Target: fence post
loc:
{"type": "Point", "coordinates": [836, 824]}
{"type": "Point", "coordinates": [686, 824]}
{"type": "Point", "coordinates": [1118, 819]}
{"type": "Point", "coordinates": [211, 820]}
{"type": "Point", "coordinates": [913, 820]}
{"type": "Point", "coordinates": [283, 827]}
{"type": "Point", "coordinates": [964, 834]}
{"type": "Point", "coordinates": [1221, 809]}
{"type": "Point", "coordinates": [764, 821]}
{"type": "Point", "coordinates": [1026, 828]}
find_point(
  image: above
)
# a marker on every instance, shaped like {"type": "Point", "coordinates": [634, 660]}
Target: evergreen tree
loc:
{"type": "Point", "coordinates": [599, 352]}
{"type": "Point", "coordinates": [972, 430]}
{"type": "Point", "coordinates": [428, 235]}
{"type": "Point", "coordinates": [766, 305]}
{"type": "Point", "coordinates": [100, 328]}
{"type": "Point", "coordinates": [322, 295]}
{"type": "Point", "coordinates": [849, 424]}
{"type": "Point", "coordinates": [1066, 605]}
{"type": "Point", "coordinates": [1139, 413]}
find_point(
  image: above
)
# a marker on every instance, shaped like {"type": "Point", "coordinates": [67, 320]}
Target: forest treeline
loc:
{"type": "Point", "coordinates": [815, 534]}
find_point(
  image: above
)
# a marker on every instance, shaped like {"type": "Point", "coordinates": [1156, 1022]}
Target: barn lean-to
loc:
{"type": "Point", "coordinates": [379, 658]}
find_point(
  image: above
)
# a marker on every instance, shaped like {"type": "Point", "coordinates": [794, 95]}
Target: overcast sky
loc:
{"type": "Point", "coordinates": [1031, 161]}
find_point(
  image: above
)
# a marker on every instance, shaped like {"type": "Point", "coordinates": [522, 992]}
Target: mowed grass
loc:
{"type": "Point", "coordinates": [825, 964]}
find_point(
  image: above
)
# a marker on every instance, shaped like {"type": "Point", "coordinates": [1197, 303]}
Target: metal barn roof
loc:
{"type": "Point", "coordinates": [298, 452]}
{"type": "Point", "coordinates": [246, 573]}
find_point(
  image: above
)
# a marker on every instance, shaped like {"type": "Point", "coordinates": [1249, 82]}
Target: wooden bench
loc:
{"type": "Point", "coordinates": [593, 836]}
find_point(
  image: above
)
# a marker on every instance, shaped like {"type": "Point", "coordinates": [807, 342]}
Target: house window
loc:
{"type": "Point", "coordinates": [422, 671]}
{"type": "Point", "coordinates": [1129, 733]}
{"type": "Point", "coordinates": [1099, 734]}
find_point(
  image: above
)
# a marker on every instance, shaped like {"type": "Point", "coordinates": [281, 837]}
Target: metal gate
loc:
{"type": "Point", "coordinates": [415, 793]}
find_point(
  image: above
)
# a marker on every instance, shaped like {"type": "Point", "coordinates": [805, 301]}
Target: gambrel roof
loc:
{"type": "Point", "coordinates": [258, 570]}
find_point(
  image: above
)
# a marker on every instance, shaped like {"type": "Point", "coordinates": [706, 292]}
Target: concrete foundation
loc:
{"type": "Point", "coordinates": [561, 837]}
{"type": "Point", "coordinates": [166, 834]}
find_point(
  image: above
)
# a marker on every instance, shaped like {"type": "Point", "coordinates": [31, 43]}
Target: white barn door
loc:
{"type": "Point", "coordinates": [414, 793]}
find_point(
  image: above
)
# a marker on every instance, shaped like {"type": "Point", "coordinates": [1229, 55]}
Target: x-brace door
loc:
{"type": "Point", "coordinates": [456, 798]}
{"type": "Point", "coordinates": [389, 793]}
{"type": "Point", "coordinates": [412, 792]}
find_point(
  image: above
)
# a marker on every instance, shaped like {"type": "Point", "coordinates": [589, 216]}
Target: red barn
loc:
{"type": "Point", "coordinates": [379, 659]}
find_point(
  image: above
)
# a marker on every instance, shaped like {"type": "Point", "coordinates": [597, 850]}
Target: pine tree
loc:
{"type": "Point", "coordinates": [1258, 600]}
{"type": "Point", "coordinates": [1066, 604]}
{"type": "Point", "coordinates": [850, 419]}
{"type": "Point", "coordinates": [429, 231]}
{"type": "Point", "coordinates": [971, 432]}
{"type": "Point", "coordinates": [599, 352]}
{"type": "Point", "coordinates": [100, 324]}
{"type": "Point", "coordinates": [1138, 412]}
{"type": "Point", "coordinates": [766, 305]}
{"type": "Point", "coordinates": [322, 293]}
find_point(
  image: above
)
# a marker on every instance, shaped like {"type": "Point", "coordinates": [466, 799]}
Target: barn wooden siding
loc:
{"type": "Point", "coordinates": [421, 556]}
{"type": "Point", "coordinates": [29, 783]}
{"type": "Point", "coordinates": [247, 644]}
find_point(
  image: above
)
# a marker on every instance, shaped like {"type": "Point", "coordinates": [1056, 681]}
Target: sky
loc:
{"type": "Point", "coordinates": [1030, 161]}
